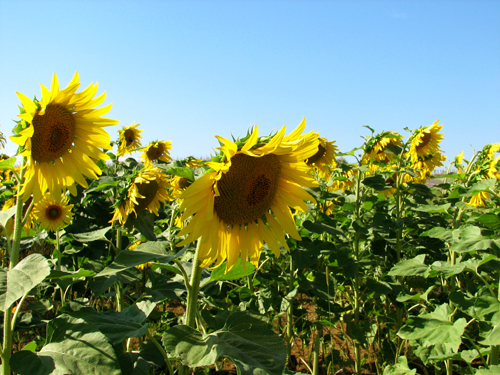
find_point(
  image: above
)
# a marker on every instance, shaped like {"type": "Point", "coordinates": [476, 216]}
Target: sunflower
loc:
{"type": "Point", "coordinates": [147, 191]}
{"type": "Point", "coordinates": [380, 150]}
{"type": "Point", "coordinates": [178, 185]}
{"type": "Point", "coordinates": [156, 151]}
{"type": "Point", "coordinates": [425, 166]}
{"type": "Point", "coordinates": [63, 138]}
{"type": "Point", "coordinates": [425, 141]}
{"type": "Point", "coordinates": [324, 158]}
{"type": "Point", "coordinates": [53, 212]}
{"type": "Point", "coordinates": [457, 162]}
{"type": "Point", "coordinates": [129, 139]}
{"type": "Point", "coordinates": [245, 198]}
{"type": "Point", "coordinates": [479, 199]}
{"type": "Point", "coordinates": [191, 162]}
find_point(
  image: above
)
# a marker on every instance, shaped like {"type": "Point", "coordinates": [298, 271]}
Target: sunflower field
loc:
{"type": "Point", "coordinates": [279, 255]}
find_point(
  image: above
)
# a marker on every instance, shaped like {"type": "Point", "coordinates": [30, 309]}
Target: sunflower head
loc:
{"type": "Point", "coordinates": [53, 212]}
{"type": "Point", "coordinates": [479, 199]}
{"type": "Point", "coordinates": [324, 159]}
{"type": "Point", "coordinates": [425, 141]}
{"type": "Point", "coordinates": [129, 139]}
{"type": "Point", "coordinates": [156, 151]}
{"type": "Point", "coordinates": [486, 164]}
{"type": "Point", "coordinates": [62, 137]}
{"type": "Point", "coordinates": [178, 185]}
{"type": "Point", "coordinates": [382, 148]}
{"type": "Point", "coordinates": [246, 197]}
{"type": "Point", "coordinates": [147, 191]}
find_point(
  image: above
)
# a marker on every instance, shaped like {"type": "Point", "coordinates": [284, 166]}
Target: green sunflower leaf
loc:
{"type": "Point", "coordinates": [26, 275]}
{"type": "Point", "coordinates": [8, 163]}
{"type": "Point", "coordinates": [246, 340]}
{"type": "Point", "coordinates": [72, 347]}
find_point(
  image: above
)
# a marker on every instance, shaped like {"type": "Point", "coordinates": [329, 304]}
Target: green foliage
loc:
{"type": "Point", "coordinates": [245, 339]}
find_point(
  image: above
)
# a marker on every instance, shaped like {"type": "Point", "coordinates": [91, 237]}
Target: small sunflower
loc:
{"type": "Point", "coordinates": [425, 141]}
{"type": "Point", "coordinates": [486, 163]}
{"type": "Point", "coordinates": [425, 166]}
{"type": "Point", "coordinates": [245, 198]}
{"type": "Point", "coordinates": [156, 151]}
{"type": "Point", "coordinates": [479, 199]}
{"type": "Point", "coordinates": [53, 213]}
{"type": "Point", "coordinates": [147, 191]}
{"type": "Point", "coordinates": [191, 162]}
{"type": "Point", "coordinates": [324, 158]}
{"type": "Point", "coordinates": [457, 162]}
{"type": "Point", "coordinates": [178, 185]}
{"type": "Point", "coordinates": [129, 138]}
{"type": "Point", "coordinates": [63, 138]}
{"type": "Point", "coordinates": [379, 149]}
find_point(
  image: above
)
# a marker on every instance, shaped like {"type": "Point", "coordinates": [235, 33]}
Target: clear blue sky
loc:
{"type": "Point", "coordinates": [188, 70]}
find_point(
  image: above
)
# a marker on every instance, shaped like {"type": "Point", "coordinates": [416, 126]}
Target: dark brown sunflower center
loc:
{"type": "Point", "coordinates": [424, 141]}
{"type": "Point", "coordinates": [129, 136]}
{"type": "Point", "coordinates": [318, 155]}
{"type": "Point", "coordinates": [155, 152]}
{"type": "Point", "coordinates": [148, 191]}
{"type": "Point", "coordinates": [248, 189]}
{"type": "Point", "coordinates": [53, 133]}
{"type": "Point", "coordinates": [53, 212]}
{"type": "Point", "coordinates": [184, 182]}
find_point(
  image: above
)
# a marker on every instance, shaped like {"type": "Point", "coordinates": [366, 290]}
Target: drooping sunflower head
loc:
{"type": "Point", "coordinates": [424, 168]}
{"type": "Point", "coordinates": [425, 141]}
{"type": "Point", "coordinates": [324, 159]}
{"type": "Point", "coordinates": [53, 213]}
{"type": "Point", "coordinates": [62, 137]}
{"type": "Point", "coordinates": [486, 163]}
{"type": "Point", "coordinates": [382, 148]}
{"type": "Point", "coordinates": [148, 191]}
{"type": "Point", "coordinates": [178, 184]}
{"type": "Point", "coordinates": [129, 139]}
{"type": "Point", "coordinates": [156, 151]}
{"type": "Point", "coordinates": [245, 199]}
{"type": "Point", "coordinates": [457, 162]}
{"type": "Point", "coordinates": [479, 199]}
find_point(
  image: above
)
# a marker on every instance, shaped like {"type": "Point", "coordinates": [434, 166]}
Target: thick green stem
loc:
{"type": "Point", "coordinates": [118, 284]}
{"type": "Point", "coordinates": [289, 321]}
{"type": "Point", "coordinates": [192, 299]}
{"type": "Point", "coordinates": [316, 349]}
{"type": "Point", "coordinates": [193, 289]}
{"type": "Point", "coordinates": [13, 260]}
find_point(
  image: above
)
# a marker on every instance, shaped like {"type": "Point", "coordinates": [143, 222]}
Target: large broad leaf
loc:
{"type": "Point", "coordinates": [144, 253]}
{"type": "Point", "coordinates": [72, 347]}
{"type": "Point", "coordinates": [145, 223]}
{"type": "Point", "coordinates": [493, 336]}
{"type": "Point", "coordinates": [400, 368]}
{"type": "Point", "coordinates": [247, 341]}
{"type": "Point", "coordinates": [411, 267]}
{"type": "Point", "coordinates": [91, 236]}
{"type": "Point", "coordinates": [27, 274]}
{"type": "Point", "coordinates": [435, 329]}
{"type": "Point", "coordinates": [117, 326]}
{"type": "Point", "coordinates": [8, 163]}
